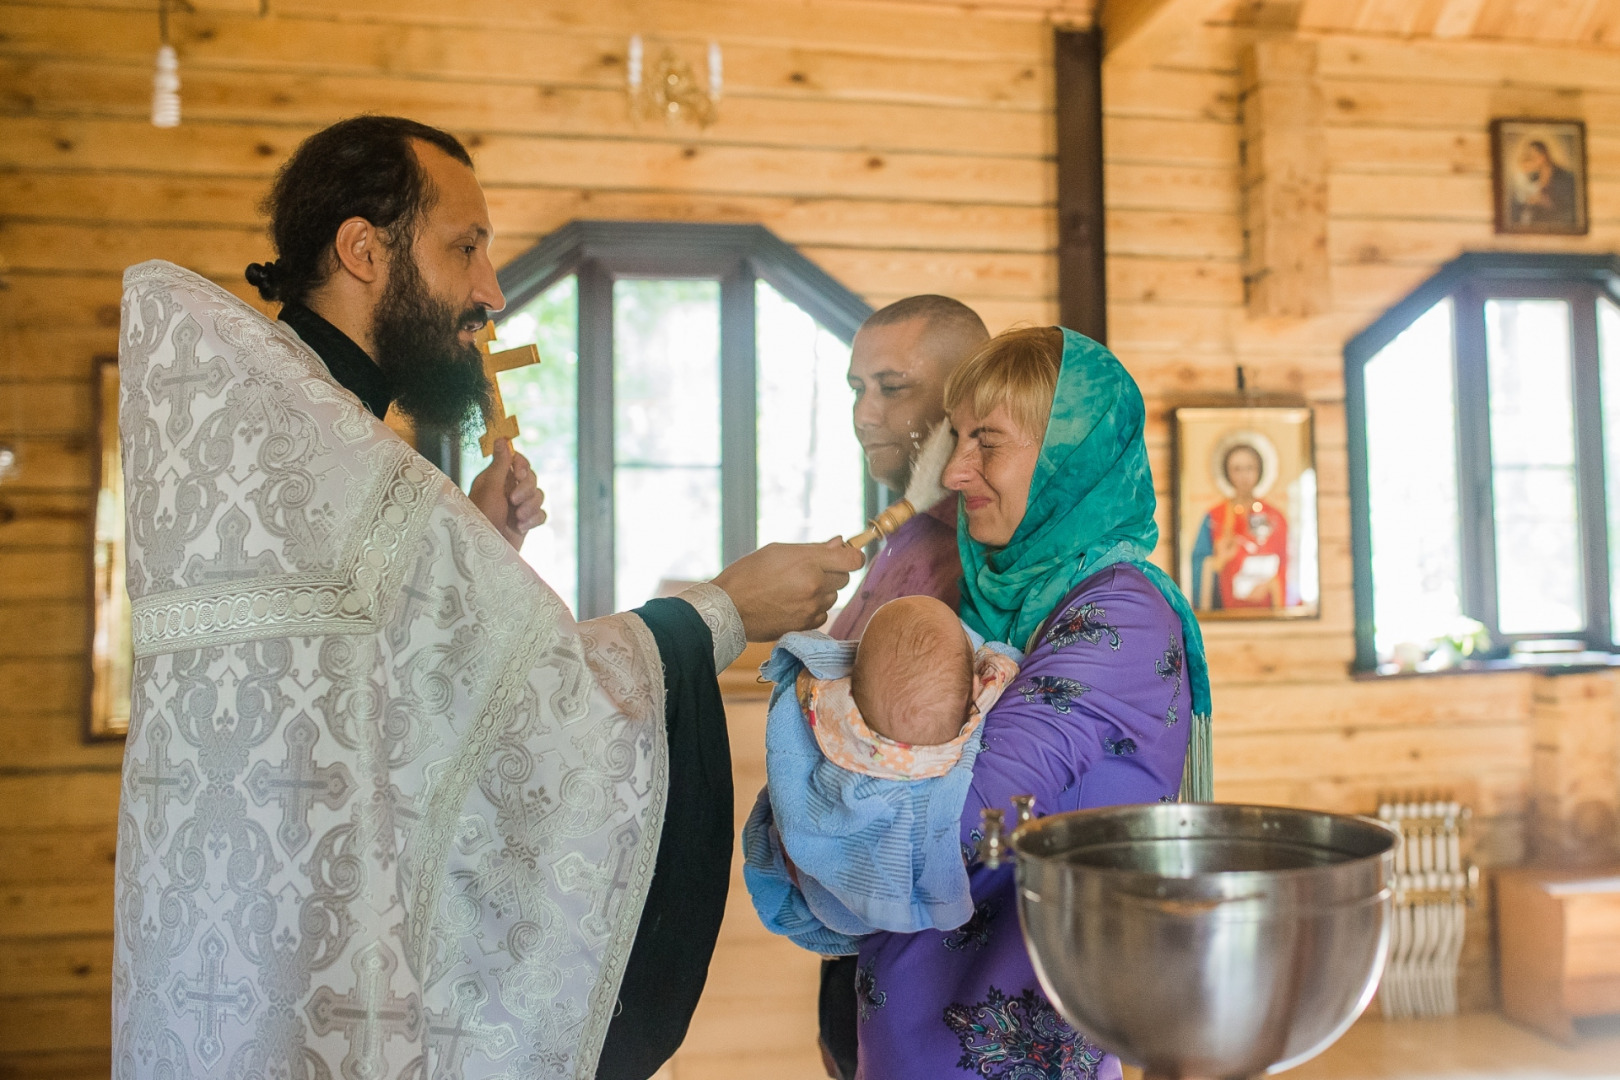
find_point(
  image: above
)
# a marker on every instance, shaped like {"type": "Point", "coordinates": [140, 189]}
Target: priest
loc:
{"type": "Point", "coordinates": [387, 810]}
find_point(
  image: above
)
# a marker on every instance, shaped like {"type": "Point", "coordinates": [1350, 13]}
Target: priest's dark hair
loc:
{"type": "Point", "coordinates": [361, 167]}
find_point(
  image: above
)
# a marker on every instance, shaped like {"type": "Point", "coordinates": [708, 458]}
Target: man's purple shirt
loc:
{"type": "Point", "coordinates": [919, 559]}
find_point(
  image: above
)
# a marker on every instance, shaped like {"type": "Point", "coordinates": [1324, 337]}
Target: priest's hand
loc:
{"type": "Point", "coordinates": [509, 494]}
{"type": "Point", "coordinates": [786, 587]}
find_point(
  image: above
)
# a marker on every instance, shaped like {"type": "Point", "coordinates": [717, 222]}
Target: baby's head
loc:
{"type": "Point", "coordinates": [913, 680]}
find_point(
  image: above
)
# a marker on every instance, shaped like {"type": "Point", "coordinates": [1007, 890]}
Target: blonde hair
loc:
{"type": "Point", "coordinates": [1016, 368]}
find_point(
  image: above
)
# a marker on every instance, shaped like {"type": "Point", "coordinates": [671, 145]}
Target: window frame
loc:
{"type": "Point", "coordinates": [1469, 281]}
{"type": "Point", "coordinates": [600, 253]}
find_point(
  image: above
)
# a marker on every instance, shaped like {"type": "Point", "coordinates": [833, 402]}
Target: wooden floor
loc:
{"type": "Point", "coordinates": [758, 1015]}
{"type": "Point", "coordinates": [757, 1018]}
{"type": "Point", "coordinates": [1479, 1046]}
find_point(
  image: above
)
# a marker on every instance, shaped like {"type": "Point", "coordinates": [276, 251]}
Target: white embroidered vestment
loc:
{"type": "Point", "coordinates": [387, 811]}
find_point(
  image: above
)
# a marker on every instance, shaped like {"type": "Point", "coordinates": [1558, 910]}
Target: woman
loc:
{"type": "Point", "coordinates": [1055, 533]}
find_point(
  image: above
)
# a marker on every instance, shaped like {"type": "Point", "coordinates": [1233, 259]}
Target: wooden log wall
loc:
{"type": "Point", "coordinates": [1286, 268]}
{"type": "Point", "coordinates": [1575, 774]}
{"type": "Point", "coordinates": [1409, 187]}
{"type": "Point", "coordinates": [905, 147]}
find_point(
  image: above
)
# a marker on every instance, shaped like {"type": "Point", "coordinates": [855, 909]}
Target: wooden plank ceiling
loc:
{"type": "Point", "coordinates": [1069, 13]}
{"type": "Point", "coordinates": [1553, 22]}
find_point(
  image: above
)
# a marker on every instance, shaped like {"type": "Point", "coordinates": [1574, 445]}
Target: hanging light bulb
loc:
{"type": "Point", "coordinates": [716, 76]}
{"type": "Point", "coordinates": [166, 89]}
{"type": "Point", "coordinates": [166, 78]}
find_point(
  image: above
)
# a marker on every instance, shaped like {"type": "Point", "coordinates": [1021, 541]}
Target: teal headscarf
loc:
{"type": "Point", "coordinates": [1091, 505]}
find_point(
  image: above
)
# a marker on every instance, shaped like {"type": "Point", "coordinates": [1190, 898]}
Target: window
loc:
{"type": "Point", "coordinates": [1485, 462]}
{"type": "Point", "coordinates": [545, 399]}
{"type": "Point", "coordinates": [690, 403]}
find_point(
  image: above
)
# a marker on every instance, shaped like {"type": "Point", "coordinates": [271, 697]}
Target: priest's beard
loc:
{"type": "Point", "coordinates": [437, 380]}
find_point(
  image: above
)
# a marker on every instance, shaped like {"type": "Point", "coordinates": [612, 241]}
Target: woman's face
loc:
{"type": "Point", "coordinates": [992, 467]}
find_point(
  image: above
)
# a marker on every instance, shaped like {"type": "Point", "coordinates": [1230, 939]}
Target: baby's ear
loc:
{"type": "Point", "coordinates": [978, 686]}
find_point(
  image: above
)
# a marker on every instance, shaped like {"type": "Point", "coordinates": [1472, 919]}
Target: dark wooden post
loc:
{"type": "Point", "coordinates": [1082, 265]}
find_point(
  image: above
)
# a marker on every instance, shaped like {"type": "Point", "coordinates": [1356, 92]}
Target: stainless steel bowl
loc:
{"type": "Point", "coordinates": [1202, 939]}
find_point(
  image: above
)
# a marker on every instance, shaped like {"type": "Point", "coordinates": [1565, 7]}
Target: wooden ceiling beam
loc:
{"type": "Point", "coordinates": [1136, 32]}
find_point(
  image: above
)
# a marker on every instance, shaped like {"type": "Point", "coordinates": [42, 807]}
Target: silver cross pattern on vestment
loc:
{"type": "Point", "coordinates": [158, 779]}
{"type": "Point", "coordinates": [457, 1032]}
{"type": "Point", "coordinates": [298, 783]}
{"type": "Point", "coordinates": [369, 1015]}
{"type": "Point", "coordinates": [179, 382]}
{"type": "Point", "coordinates": [210, 997]}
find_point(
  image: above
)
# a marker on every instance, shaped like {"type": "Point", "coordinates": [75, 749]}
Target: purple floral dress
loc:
{"type": "Point", "coordinates": [1097, 717]}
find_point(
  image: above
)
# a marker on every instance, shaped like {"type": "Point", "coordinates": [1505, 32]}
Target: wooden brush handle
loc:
{"type": "Point", "coordinates": [884, 524]}
{"type": "Point", "coordinates": [861, 539]}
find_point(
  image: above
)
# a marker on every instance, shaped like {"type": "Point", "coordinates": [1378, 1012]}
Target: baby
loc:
{"type": "Point", "coordinates": [913, 696]}
{"type": "Point", "coordinates": [869, 751]}
{"type": "Point", "coordinates": [914, 680]}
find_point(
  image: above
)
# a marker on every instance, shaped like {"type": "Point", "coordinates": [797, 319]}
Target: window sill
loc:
{"type": "Point", "coordinates": [1555, 664]}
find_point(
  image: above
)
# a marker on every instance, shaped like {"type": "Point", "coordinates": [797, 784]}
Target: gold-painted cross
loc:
{"type": "Point", "coordinates": [497, 424]}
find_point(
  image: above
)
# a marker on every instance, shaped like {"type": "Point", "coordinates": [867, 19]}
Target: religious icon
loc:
{"type": "Point", "coordinates": [111, 657]}
{"type": "Point", "coordinates": [1539, 168]}
{"type": "Point", "coordinates": [1246, 534]}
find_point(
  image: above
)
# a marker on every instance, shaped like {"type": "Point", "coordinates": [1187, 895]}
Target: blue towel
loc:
{"type": "Point", "coordinates": [873, 854]}
{"type": "Point", "coordinates": [782, 907]}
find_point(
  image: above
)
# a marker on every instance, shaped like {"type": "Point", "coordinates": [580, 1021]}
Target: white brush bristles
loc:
{"type": "Point", "coordinates": [926, 486]}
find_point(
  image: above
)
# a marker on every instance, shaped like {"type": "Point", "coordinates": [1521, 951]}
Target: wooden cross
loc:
{"type": "Point", "coordinates": [497, 424]}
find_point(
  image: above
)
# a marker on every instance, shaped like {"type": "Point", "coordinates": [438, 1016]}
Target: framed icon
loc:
{"type": "Point", "coordinates": [1539, 173]}
{"type": "Point", "coordinates": [111, 658]}
{"type": "Point", "coordinates": [1244, 479]}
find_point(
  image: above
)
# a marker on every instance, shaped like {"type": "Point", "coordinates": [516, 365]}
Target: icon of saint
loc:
{"type": "Point", "coordinates": [1240, 559]}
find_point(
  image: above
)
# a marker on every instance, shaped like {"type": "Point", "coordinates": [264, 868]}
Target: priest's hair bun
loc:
{"type": "Point", "coordinates": [265, 277]}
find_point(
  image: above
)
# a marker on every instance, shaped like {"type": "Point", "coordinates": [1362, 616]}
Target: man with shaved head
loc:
{"type": "Point", "coordinates": [897, 368]}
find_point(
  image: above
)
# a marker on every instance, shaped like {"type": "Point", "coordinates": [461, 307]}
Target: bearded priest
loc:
{"type": "Point", "coordinates": [388, 811]}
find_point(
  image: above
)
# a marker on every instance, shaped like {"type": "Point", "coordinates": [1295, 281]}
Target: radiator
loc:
{"type": "Point", "coordinates": [1435, 885]}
